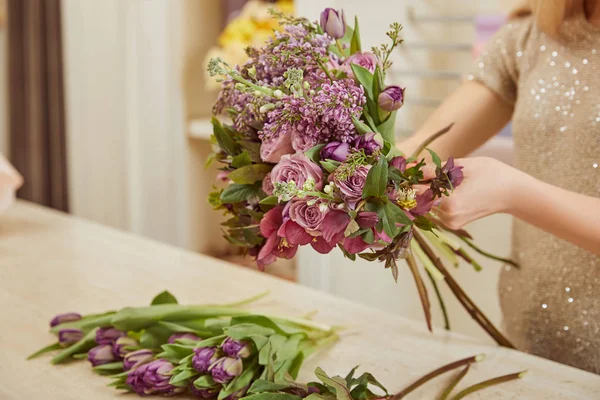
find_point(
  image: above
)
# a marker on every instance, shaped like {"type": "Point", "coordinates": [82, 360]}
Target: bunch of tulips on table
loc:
{"type": "Point", "coordinates": [309, 158]}
{"type": "Point", "coordinates": [218, 352]}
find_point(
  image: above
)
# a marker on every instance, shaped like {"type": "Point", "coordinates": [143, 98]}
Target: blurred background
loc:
{"type": "Point", "coordinates": [105, 107]}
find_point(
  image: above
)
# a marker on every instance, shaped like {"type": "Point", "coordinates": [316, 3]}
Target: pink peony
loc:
{"type": "Point", "coordinates": [309, 217]}
{"type": "Point", "coordinates": [273, 148]}
{"type": "Point", "coordinates": [366, 60]}
{"type": "Point", "coordinates": [352, 187]}
{"type": "Point", "coordinates": [298, 168]}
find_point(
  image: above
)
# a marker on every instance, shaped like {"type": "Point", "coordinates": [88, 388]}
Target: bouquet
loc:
{"type": "Point", "coordinates": [220, 352]}
{"type": "Point", "coordinates": [310, 159]}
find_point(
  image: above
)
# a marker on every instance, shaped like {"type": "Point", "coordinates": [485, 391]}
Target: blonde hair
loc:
{"type": "Point", "coordinates": [549, 14]}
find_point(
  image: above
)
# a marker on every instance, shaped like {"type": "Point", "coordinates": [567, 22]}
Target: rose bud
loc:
{"type": "Point", "coordinates": [335, 151]}
{"type": "Point", "coordinates": [236, 348]}
{"type": "Point", "coordinates": [102, 354]}
{"type": "Point", "coordinates": [62, 318]}
{"type": "Point", "coordinates": [203, 358]}
{"type": "Point", "coordinates": [182, 335]}
{"type": "Point", "coordinates": [108, 335]}
{"type": "Point", "coordinates": [68, 336]}
{"type": "Point", "coordinates": [136, 358]}
{"type": "Point", "coordinates": [333, 23]}
{"type": "Point", "coordinates": [365, 59]}
{"type": "Point", "coordinates": [204, 393]}
{"type": "Point", "coordinates": [153, 378]}
{"type": "Point", "coordinates": [225, 369]}
{"type": "Point", "coordinates": [391, 99]}
{"type": "Point", "coordinates": [121, 344]}
{"type": "Point", "coordinates": [370, 142]}
{"type": "Point", "coordinates": [399, 162]}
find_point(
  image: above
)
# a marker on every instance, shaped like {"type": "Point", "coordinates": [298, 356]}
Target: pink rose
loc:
{"type": "Point", "coordinates": [267, 185]}
{"type": "Point", "coordinates": [301, 142]}
{"type": "Point", "coordinates": [272, 149]}
{"type": "Point", "coordinates": [352, 187]}
{"type": "Point", "coordinates": [298, 168]}
{"type": "Point", "coordinates": [366, 60]}
{"type": "Point", "coordinates": [310, 217]}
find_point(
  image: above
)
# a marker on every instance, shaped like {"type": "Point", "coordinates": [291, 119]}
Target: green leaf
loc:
{"type": "Point", "coordinates": [250, 173]}
{"type": "Point", "coordinates": [423, 223]}
{"type": "Point", "coordinates": [205, 381]}
{"type": "Point", "coordinates": [184, 327]}
{"type": "Point", "coordinates": [377, 88]}
{"type": "Point", "coordinates": [272, 396]}
{"type": "Point", "coordinates": [181, 379]}
{"type": "Point", "coordinates": [265, 322]}
{"type": "Point", "coordinates": [243, 331]}
{"type": "Point", "coordinates": [368, 236]}
{"type": "Point", "coordinates": [52, 347]}
{"type": "Point", "coordinates": [244, 380]}
{"type": "Point", "coordinates": [241, 160]}
{"type": "Point", "coordinates": [164, 297]}
{"type": "Point", "coordinates": [270, 200]}
{"type": "Point", "coordinates": [80, 356]}
{"type": "Point", "coordinates": [389, 215]}
{"type": "Point", "coordinates": [109, 369]}
{"type": "Point", "coordinates": [314, 154]}
{"type": "Point", "coordinates": [346, 254]}
{"type": "Point", "coordinates": [337, 383]}
{"type": "Point", "coordinates": [253, 149]}
{"type": "Point", "coordinates": [435, 158]}
{"type": "Point", "coordinates": [262, 385]}
{"type": "Point", "coordinates": [329, 166]}
{"type": "Point", "coordinates": [388, 128]}
{"type": "Point", "coordinates": [236, 193]}
{"type": "Point", "coordinates": [86, 343]}
{"type": "Point", "coordinates": [224, 139]}
{"type": "Point", "coordinates": [370, 121]}
{"type": "Point", "coordinates": [365, 78]}
{"type": "Point", "coordinates": [360, 126]}
{"type": "Point", "coordinates": [376, 183]}
{"type": "Point", "coordinates": [211, 342]}
{"type": "Point", "coordinates": [176, 352]}
{"type": "Point", "coordinates": [154, 337]}
{"type": "Point", "coordinates": [355, 43]}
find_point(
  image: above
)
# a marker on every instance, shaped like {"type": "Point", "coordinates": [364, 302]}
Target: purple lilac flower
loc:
{"type": "Point", "coordinates": [153, 378]}
{"type": "Point", "coordinates": [203, 358]}
{"type": "Point", "coordinates": [108, 335]}
{"type": "Point", "coordinates": [62, 318]}
{"type": "Point", "coordinates": [121, 345]}
{"type": "Point", "coordinates": [204, 393]}
{"type": "Point", "coordinates": [182, 335]}
{"type": "Point", "coordinates": [102, 354]}
{"type": "Point", "coordinates": [336, 151]}
{"type": "Point", "coordinates": [225, 369]}
{"type": "Point", "coordinates": [236, 348]}
{"type": "Point", "coordinates": [370, 142]}
{"type": "Point", "coordinates": [68, 336]}
{"type": "Point", "coordinates": [333, 23]}
{"type": "Point", "coordinates": [391, 98]}
{"type": "Point", "coordinates": [136, 358]}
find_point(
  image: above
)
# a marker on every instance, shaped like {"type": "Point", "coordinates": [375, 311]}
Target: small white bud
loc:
{"type": "Point", "coordinates": [278, 94]}
{"type": "Point", "coordinates": [323, 207]}
{"type": "Point", "coordinates": [258, 93]}
{"type": "Point", "coordinates": [328, 189]}
{"type": "Point", "coordinates": [266, 108]}
{"type": "Point", "coordinates": [306, 85]}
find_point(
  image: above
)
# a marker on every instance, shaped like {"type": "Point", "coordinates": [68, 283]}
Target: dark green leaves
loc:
{"type": "Point", "coordinates": [314, 153]}
{"type": "Point", "coordinates": [338, 384]}
{"type": "Point", "coordinates": [365, 78]}
{"type": "Point", "coordinates": [376, 182]}
{"type": "Point", "coordinates": [236, 193]}
{"type": "Point", "coordinates": [164, 298]}
{"type": "Point", "coordinates": [224, 138]}
{"type": "Point", "coordinates": [241, 160]}
{"type": "Point", "coordinates": [390, 215]}
{"type": "Point", "coordinates": [330, 165]}
{"type": "Point", "coordinates": [360, 126]}
{"type": "Point", "coordinates": [250, 173]}
{"type": "Point", "coordinates": [355, 43]}
{"type": "Point", "coordinates": [435, 158]}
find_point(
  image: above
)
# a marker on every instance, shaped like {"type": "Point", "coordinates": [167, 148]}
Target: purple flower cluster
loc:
{"type": "Point", "coordinates": [153, 378]}
{"type": "Point", "coordinates": [113, 345]}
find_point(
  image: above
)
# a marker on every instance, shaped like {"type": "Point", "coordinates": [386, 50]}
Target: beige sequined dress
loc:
{"type": "Point", "coordinates": [551, 307]}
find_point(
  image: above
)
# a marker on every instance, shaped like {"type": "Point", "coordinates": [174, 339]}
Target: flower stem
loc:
{"type": "Point", "coordinates": [488, 383]}
{"type": "Point", "coordinates": [430, 139]}
{"type": "Point", "coordinates": [340, 48]}
{"type": "Point", "coordinates": [462, 297]}
{"type": "Point", "coordinates": [438, 294]}
{"type": "Point", "coordinates": [488, 255]}
{"type": "Point", "coordinates": [436, 373]}
{"type": "Point", "coordinates": [324, 68]}
{"type": "Point", "coordinates": [412, 264]}
{"type": "Point", "coordinates": [455, 382]}
{"type": "Point", "coordinates": [248, 300]}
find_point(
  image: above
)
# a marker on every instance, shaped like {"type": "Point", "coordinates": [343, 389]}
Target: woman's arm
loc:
{"type": "Point", "coordinates": [492, 187]}
{"type": "Point", "coordinates": [477, 114]}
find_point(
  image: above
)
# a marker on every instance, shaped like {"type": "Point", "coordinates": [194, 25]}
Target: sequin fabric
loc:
{"type": "Point", "coordinates": [551, 306]}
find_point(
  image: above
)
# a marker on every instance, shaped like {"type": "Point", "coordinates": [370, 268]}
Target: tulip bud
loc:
{"type": "Point", "coordinates": [108, 335]}
{"type": "Point", "coordinates": [370, 142]}
{"type": "Point", "coordinates": [399, 162]}
{"type": "Point", "coordinates": [391, 99]}
{"type": "Point", "coordinates": [182, 335]}
{"type": "Point", "coordinates": [62, 318]}
{"type": "Point", "coordinates": [136, 358]}
{"type": "Point", "coordinates": [205, 393]}
{"type": "Point", "coordinates": [102, 354]}
{"type": "Point", "coordinates": [236, 348]}
{"type": "Point", "coordinates": [225, 369]}
{"type": "Point", "coordinates": [203, 358]}
{"type": "Point", "coordinates": [335, 151]}
{"type": "Point", "coordinates": [153, 378]}
{"type": "Point", "coordinates": [68, 336]}
{"type": "Point", "coordinates": [333, 23]}
{"type": "Point", "coordinates": [121, 345]}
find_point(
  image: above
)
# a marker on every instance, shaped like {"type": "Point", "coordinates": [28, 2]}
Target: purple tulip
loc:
{"type": "Point", "coordinates": [136, 358]}
{"type": "Point", "coordinates": [62, 318]}
{"type": "Point", "coordinates": [236, 348]}
{"type": "Point", "coordinates": [225, 369]}
{"type": "Point", "coordinates": [108, 335]}
{"type": "Point", "coordinates": [121, 344]}
{"type": "Point", "coordinates": [391, 99]}
{"type": "Point", "coordinates": [102, 354]}
{"type": "Point", "coordinates": [68, 336]}
{"type": "Point", "coordinates": [203, 358]}
{"type": "Point", "coordinates": [204, 393]}
{"type": "Point", "coordinates": [335, 151]}
{"type": "Point", "coordinates": [333, 23]}
{"type": "Point", "coordinates": [399, 162]}
{"type": "Point", "coordinates": [153, 378]}
{"type": "Point", "coordinates": [182, 335]}
{"type": "Point", "coordinates": [370, 142]}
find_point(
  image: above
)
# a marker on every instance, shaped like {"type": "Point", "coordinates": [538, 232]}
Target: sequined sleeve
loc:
{"type": "Point", "coordinates": [498, 66]}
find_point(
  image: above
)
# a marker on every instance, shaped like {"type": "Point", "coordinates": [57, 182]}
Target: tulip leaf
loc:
{"type": "Point", "coordinates": [205, 381]}
{"type": "Point", "coordinates": [109, 369]}
{"type": "Point", "coordinates": [267, 323]}
{"type": "Point", "coordinates": [178, 327]}
{"type": "Point", "coordinates": [224, 139]}
{"type": "Point", "coordinates": [435, 158]}
{"type": "Point", "coordinates": [378, 86]}
{"type": "Point", "coordinates": [176, 352]}
{"type": "Point", "coordinates": [86, 323]}
{"type": "Point", "coordinates": [376, 182]}
{"type": "Point", "coordinates": [388, 128]}
{"type": "Point", "coordinates": [250, 373]}
{"type": "Point", "coordinates": [365, 78]}
{"type": "Point", "coordinates": [329, 166]}
{"type": "Point", "coordinates": [236, 193]}
{"type": "Point", "coordinates": [154, 337]}
{"type": "Point", "coordinates": [250, 173]}
{"type": "Point", "coordinates": [262, 385]}
{"type": "Point", "coordinates": [337, 383]}
{"type": "Point", "coordinates": [272, 396]}
{"type": "Point", "coordinates": [52, 347]}
{"type": "Point", "coordinates": [86, 343]}
{"type": "Point", "coordinates": [164, 297]}
{"type": "Point", "coordinates": [355, 44]}
{"type": "Point", "coordinates": [181, 379]}
{"type": "Point", "coordinates": [213, 341]}
{"type": "Point", "coordinates": [360, 126]}
{"type": "Point", "coordinates": [243, 331]}
{"type": "Point", "coordinates": [314, 153]}
{"type": "Point", "coordinates": [241, 160]}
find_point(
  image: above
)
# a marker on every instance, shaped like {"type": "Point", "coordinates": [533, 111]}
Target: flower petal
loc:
{"type": "Point", "coordinates": [321, 246]}
{"type": "Point", "coordinates": [334, 224]}
{"type": "Point", "coordinates": [295, 234]}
